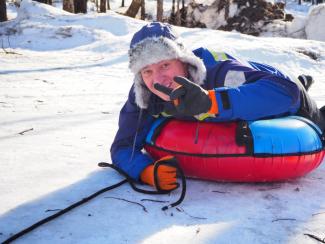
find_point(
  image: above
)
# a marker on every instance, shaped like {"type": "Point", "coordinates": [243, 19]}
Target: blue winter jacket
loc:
{"type": "Point", "coordinates": [243, 91]}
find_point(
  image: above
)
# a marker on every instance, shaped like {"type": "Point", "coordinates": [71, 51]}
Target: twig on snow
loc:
{"type": "Point", "coordinates": [152, 200]}
{"type": "Point", "coordinates": [315, 237]}
{"type": "Point", "coordinates": [122, 199]}
{"type": "Point", "coordinates": [268, 189]}
{"type": "Point", "coordinates": [183, 211]}
{"type": "Point", "coordinates": [223, 192]}
{"type": "Point", "coordinates": [5, 51]}
{"type": "Point", "coordinates": [24, 131]}
{"type": "Point", "coordinates": [50, 210]}
{"type": "Point", "coordinates": [318, 213]}
{"type": "Point", "coordinates": [290, 219]}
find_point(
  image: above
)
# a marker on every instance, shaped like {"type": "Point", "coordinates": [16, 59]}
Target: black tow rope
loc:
{"type": "Point", "coordinates": [86, 199]}
{"type": "Point", "coordinates": [61, 212]}
{"type": "Point", "coordinates": [159, 191]}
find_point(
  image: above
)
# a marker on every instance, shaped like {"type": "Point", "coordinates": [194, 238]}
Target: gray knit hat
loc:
{"type": "Point", "coordinates": [153, 43]}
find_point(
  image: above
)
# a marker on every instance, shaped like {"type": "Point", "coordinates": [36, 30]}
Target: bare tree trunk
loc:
{"type": "Point", "coordinates": [80, 6]}
{"type": "Point", "coordinates": [3, 11]}
{"type": "Point", "coordinates": [172, 14]}
{"type": "Point", "coordinates": [68, 5]}
{"type": "Point", "coordinates": [97, 7]}
{"type": "Point", "coordinates": [299, 2]}
{"type": "Point", "coordinates": [102, 7]}
{"type": "Point", "coordinates": [108, 5]}
{"type": "Point", "coordinates": [133, 8]}
{"type": "Point", "coordinates": [160, 10]}
{"type": "Point", "coordinates": [44, 1]}
{"type": "Point", "coordinates": [183, 13]}
{"type": "Point", "coordinates": [143, 10]}
{"type": "Point", "coordinates": [123, 3]}
{"type": "Point", "coordinates": [178, 14]}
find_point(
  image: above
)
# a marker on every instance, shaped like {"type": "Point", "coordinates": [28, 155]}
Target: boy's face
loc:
{"type": "Point", "coordinates": [163, 73]}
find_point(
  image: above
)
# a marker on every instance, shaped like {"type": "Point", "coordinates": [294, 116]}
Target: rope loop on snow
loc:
{"type": "Point", "coordinates": [158, 191]}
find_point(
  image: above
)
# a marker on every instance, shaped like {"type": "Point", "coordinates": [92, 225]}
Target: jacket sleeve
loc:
{"type": "Point", "coordinates": [260, 94]}
{"type": "Point", "coordinates": [126, 148]}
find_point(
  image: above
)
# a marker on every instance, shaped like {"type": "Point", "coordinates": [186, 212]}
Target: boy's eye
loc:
{"type": "Point", "coordinates": [146, 72]}
{"type": "Point", "coordinates": [165, 65]}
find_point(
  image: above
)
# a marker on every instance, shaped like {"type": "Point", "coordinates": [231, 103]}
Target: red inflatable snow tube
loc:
{"type": "Point", "coordinates": [225, 152]}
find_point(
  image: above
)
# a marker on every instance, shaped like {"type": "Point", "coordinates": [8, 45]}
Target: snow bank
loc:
{"type": "Point", "coordinates": [29, 8]}
{"type": "Point", "coordinates": [280, 28]}
{"type": "Point", "coordinates": [32, 29]}
{"type": "Point", "coordinates": [43, 27]}
{"type": "Point", "coordinates": [296, 28]}
{"type": "Point", "coordinates": [315, 23]}
{"type": "Point", "coordinates": [304, 27]}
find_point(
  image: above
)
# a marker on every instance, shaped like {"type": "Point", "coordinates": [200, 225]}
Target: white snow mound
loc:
{"type": "Point", "coordinates": [315, 23]}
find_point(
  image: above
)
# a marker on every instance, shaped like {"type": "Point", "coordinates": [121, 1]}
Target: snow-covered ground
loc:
{"type": "Point", "coordinates": [63, 82]}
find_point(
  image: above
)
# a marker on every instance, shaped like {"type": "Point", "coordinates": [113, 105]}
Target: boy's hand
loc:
{"type": "Point", "coordinates": [189, 98]}
{"type": "Point", "coordinates": [166, 175]}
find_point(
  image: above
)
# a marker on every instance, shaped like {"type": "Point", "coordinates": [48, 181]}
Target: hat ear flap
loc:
{"type": "Point", "coordinates": [142, 93]}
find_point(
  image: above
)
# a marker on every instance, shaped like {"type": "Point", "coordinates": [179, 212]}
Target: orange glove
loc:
{"type": "Point", "coordinates": [166, 175]}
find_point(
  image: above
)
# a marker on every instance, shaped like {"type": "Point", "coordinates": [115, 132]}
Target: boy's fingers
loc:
{"type": "Point", "coordinates": [183, 81]}
{"type": "Point", "coordinates": [177, 93]}
{"type": "Point", "coordinates": [173, 94]}
{"type": "Point", "coordinates": [163, 89]}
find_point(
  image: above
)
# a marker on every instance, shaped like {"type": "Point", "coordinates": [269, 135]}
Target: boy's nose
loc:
{"type": "Point", "coordinates": [161, 79]}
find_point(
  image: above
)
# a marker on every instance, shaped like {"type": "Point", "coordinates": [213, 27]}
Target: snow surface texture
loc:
{"type": "Point", "coordinates": [63, 81]}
